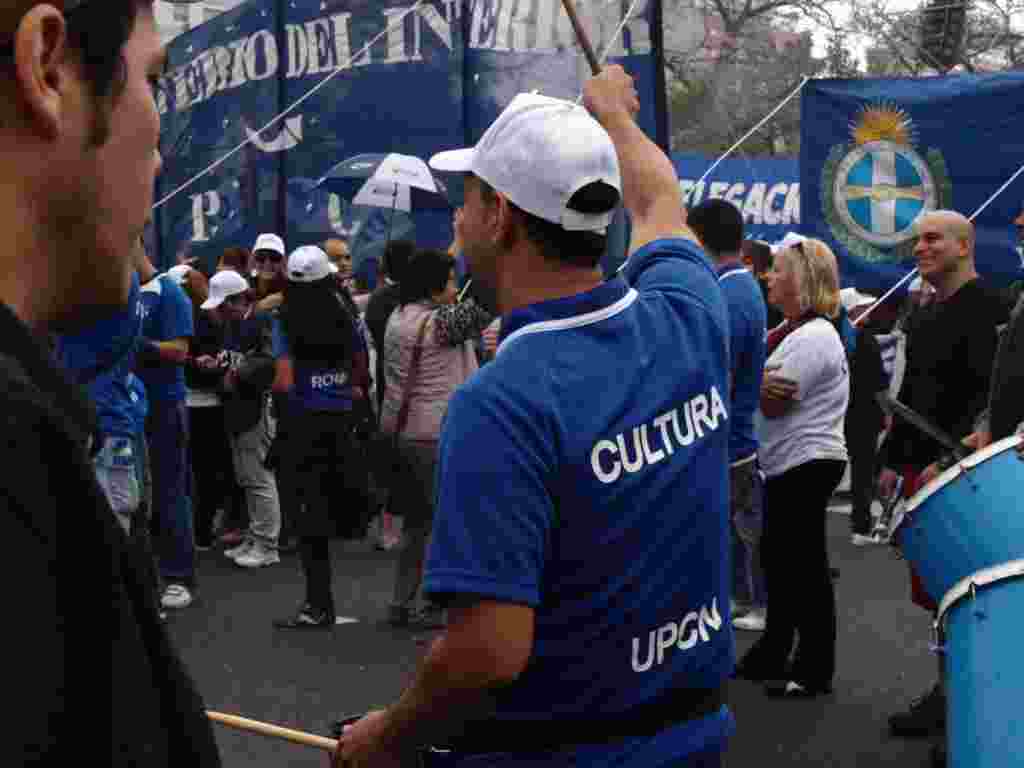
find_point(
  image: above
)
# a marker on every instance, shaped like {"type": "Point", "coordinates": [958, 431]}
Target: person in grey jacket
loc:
{"type": "Point", "coordinates": [248, 373]}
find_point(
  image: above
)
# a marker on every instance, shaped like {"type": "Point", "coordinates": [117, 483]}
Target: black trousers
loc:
{"type": "Point", "coordinates": [212, 470]}
{"type": "Point", "coordinates": [794, 554]}
{"type": "Point", "coordinates": [862, 445]}
{"type": "Point", "coordinates": [315, 448]}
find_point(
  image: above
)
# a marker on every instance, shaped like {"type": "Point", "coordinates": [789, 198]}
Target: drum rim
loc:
{"type": "Point", "coordinates": [951, 474]}
{"type": "Point", "coordinates": [983, 578]}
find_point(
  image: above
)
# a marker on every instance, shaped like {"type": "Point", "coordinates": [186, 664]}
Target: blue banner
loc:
{"type": "Point", "coordinates": [876, 153]}
{"type": "Point", "coordinates": [766, 190]}
{"type": "Point", "coordinates": [431, 82]}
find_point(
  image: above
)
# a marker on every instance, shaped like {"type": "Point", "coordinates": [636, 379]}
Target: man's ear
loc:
{"type": "Point", "coordinates": [506, 221]}
{"type": "Point", "coordinates": [42, 67]}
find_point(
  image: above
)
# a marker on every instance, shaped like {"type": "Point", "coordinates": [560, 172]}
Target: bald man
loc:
{"type": "Point", "coordinates": [950, 348]}
{"type": "Point", "coordinates": [337, 251]}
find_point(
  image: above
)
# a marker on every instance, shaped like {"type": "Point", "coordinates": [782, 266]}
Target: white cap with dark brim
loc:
{"type": "Point", "coordinates": [538, 153]}
{"type": "Point", "coordinates": [225, 283]}
{"type": "Point", "coordinates": [309, 264]}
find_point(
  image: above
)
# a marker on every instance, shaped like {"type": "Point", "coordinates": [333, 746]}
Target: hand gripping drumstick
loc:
{"type": "Point", "coordinates": [581, 35]}
{"type": "Point", "coordinates": [274, 731]}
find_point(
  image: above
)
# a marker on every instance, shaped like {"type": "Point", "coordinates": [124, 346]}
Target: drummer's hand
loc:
{"type": "Point", "coordinates": [611, 93]}
{"type": "Point", "coordinates": [887, 483]}
{"type": "Point", "coordinates": [977, 440]}
{"type": "Point", "coordinates": [361, 744]}
{"type": "Point", "coordinates": [930, 473]}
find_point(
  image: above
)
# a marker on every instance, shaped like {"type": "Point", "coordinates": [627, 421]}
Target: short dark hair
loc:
{"type": "Point", "coordinates": [98, 31]}
{"type": "Point", "coordinates": [719, 225]}
{"type": "Point", "coordinates": [760, 255]}
{"type": "Point", "coordinates": [426, 274]}
{"type": "Point", "coordinates": [396, 258]}
{"type": "Point", "coordinates": [574, 247]}
{"type": "Point", "coordinates": [237, 259]}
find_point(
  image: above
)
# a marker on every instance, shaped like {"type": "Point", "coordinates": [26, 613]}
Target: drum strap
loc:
{"type": "Point", "coordinates": [674, 708]}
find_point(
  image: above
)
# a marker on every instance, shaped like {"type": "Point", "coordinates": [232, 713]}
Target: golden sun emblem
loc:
{"type": "Point", "coordinates": [883, 122]}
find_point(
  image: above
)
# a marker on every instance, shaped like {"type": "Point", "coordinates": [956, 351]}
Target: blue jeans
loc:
{"type": "Point", "coordinates": [747, 488]}
{"type": "Point", "coordinates": [167, 430]}
{"type": "Point", "coordinates": [116, 466]}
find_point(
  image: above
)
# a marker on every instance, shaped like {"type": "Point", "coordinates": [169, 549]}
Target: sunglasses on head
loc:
{"type": "Point", "coordinates": [272, 256]}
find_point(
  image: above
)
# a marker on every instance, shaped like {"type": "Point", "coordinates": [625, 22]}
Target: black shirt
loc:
{"type": "Point", "coordinates": [867, 378]}
{"type": "Point", "coordinates": [383, 302]}
{"type": "Point", "coordinates": [84, 642]}
{"type": "Point", "coordinates": [950, 348]}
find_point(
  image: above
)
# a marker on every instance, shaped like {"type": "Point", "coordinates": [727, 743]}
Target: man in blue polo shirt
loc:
{"type": "Point", "coordinates": [581, 532]}
{"type": "Point", "coordinates": [101, 359]}
{"type": "Point", "coordinates": [719, 225]}
{"type": "Point", "coordinates": [167, 324]}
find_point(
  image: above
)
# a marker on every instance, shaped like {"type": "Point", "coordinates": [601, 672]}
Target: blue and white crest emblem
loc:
{"type": "Point", "coordinates": [874, 191]}
{"type": "Point", "coordinates": [880, 190]}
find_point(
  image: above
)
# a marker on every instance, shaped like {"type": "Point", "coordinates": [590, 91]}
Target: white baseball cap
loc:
{"type": "Point", "coordinates": [309, 264]}
{"type": "Point", "coordinates": [851, 298]}
{"type": "Point", "coordinates": [791, 239]}
{"type": "Point", "coordinates": [178, 273]}
{"type": "Point", "coordinates": [538, 153]}
{"type": "Point", "coordinates": [269, 242]}
{"type": "Point", "coordinates": [223, 284]}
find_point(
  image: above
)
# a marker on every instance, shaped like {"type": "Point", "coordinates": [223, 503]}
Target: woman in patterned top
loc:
{"type": "Point", "coordinates": [427, 310]}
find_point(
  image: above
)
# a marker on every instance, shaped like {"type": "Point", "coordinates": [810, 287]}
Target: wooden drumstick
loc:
{"type": "Point", "coordinates": [274, 731]}
{"type": "Point", "coordinates": [581, 35]}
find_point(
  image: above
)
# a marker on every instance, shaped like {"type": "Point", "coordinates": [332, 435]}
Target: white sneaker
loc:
{"type": "Point", "coordinates": [755, 621]}
{"type": "Point", "coordinates": [176, 596]}
{"type": "Point", "coordinates": [257, 556]}
{"type": "Point", "coordinates": [862, 540]}
{"type": "Point", "coordinates": [236, 552]}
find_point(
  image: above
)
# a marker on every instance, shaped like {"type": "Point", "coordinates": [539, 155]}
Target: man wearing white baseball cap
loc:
{"type": "Point", "coordinates": [601, 426]}
{"type": "Point", "coordinates": [246, 386]}
{"type": "Point", "coordinates": [224, 285]}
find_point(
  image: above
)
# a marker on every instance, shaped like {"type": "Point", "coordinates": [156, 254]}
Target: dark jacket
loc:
{"type": "Point", "coordinates": [1006, 405]}
{"type": "Point", "coordinates": [382, 304]}
{"type": "Point", "coordinates": [89, 645]}
{"type": "Point", "coordinates": [249, 343]}
{"type": "Point", "coordinates": [864, 415]}
{"type": "Point", "coordinates": [207, 341]}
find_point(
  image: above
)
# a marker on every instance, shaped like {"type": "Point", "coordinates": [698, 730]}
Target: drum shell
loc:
{"type": "Point", "coordinates": [967, 520]}
{"type": "Point", "coordinates": [985, 677]}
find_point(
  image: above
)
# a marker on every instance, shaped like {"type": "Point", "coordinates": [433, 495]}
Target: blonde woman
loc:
{"type": "Point", "coordinates": [804, 398]}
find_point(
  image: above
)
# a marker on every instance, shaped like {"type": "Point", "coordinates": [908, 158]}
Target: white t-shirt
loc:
{"type": "Point", "coordinates": [813, 357]}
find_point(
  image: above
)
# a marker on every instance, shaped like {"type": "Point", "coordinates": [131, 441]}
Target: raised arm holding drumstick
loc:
{"type": "Point", "coordinates": [583, 367]}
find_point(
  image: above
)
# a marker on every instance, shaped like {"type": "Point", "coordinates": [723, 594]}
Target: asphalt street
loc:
{"type": "Point", "coordinates": [305, 680]}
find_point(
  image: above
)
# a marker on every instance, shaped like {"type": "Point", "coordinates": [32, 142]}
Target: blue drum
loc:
{"type": "Point", "coordinates": [967, 519]}
{"type": "Point", "coordinates": [979, 620]}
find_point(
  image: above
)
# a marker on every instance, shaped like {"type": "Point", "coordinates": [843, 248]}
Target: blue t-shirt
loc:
{"type": "Point", "coordinates": [585, 473]}
{"type": "Point", "coordinates": [166, 315]}
{"type": "Point", "coordinates": [316, 388]}
{"type": "Point", "coordinates": [101, 359]}
{"type": "Point", "coordinates": [748, 323]}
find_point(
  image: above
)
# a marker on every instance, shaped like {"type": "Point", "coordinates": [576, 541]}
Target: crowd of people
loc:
{"type": "Point", "coordinates": [628, 464]}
